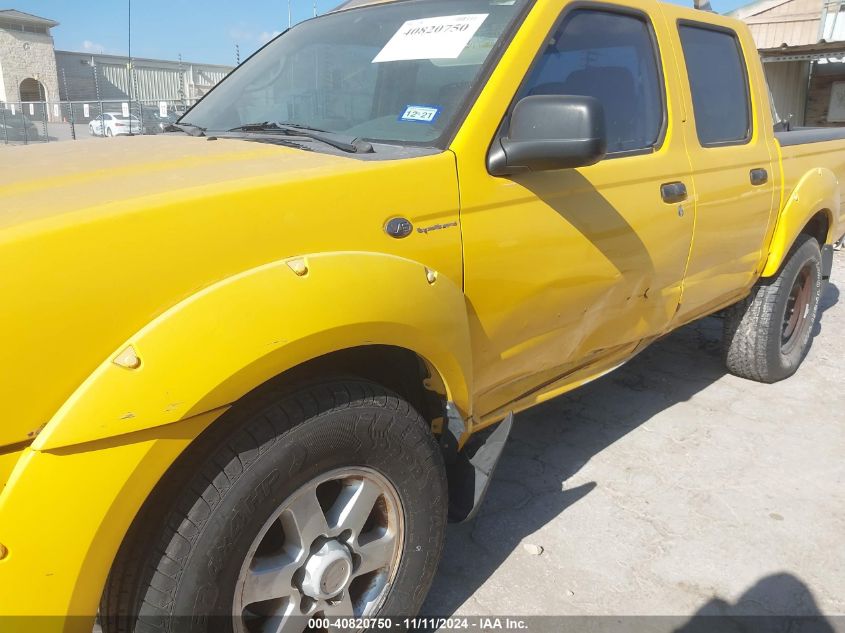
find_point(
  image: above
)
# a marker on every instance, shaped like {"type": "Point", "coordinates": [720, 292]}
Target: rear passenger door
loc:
{"type": "Point", "coordinates": [732, 161]}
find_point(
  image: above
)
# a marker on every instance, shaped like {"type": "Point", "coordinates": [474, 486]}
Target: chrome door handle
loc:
{"type": "Point", "coordinates": [673, 192]}
{"type": "Point", "coordinates": [759, 176]}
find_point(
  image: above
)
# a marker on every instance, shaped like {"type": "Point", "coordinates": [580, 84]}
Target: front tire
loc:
{"type": "Point", "coordinates": [767, 335]}
{"type": "Point", "coordinates": [330, 501]}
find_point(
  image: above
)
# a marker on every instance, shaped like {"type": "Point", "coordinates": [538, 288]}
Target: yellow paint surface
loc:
{"type": "Point", "coordinates": [205, 268]}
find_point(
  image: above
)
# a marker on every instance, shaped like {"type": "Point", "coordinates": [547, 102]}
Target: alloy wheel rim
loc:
{"type": "Point", "coordinates": [797, 309]}
{"type": "Point", "coordinates": [331, 549]}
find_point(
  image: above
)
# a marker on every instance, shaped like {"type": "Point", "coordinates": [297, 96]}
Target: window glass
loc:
{"type": "Point", "coordinates": [609, 56]}
{"type": "Point", "coordinates": [718, 84]}
{"type": "Point", "coordinates": [396, 71]}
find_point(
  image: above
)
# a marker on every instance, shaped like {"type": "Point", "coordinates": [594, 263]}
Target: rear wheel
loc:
{"type": "Point", "coordinates": [328, 502]}
{"type": "Point", "coordinates": [767, 335]}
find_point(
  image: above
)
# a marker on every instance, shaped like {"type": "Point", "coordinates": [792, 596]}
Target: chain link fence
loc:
{"type": "Point", "coordinates": [47, 122]}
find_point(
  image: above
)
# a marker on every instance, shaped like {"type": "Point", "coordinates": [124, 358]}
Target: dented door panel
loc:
{"type": "Point", "coordinates": [563, 268]}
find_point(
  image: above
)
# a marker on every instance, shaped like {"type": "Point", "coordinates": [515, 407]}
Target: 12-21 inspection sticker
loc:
{"type": "Point", "coordinates": [420, 114]}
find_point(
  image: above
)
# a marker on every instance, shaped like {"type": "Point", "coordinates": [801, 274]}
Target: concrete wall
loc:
{"type": "Point", "coordinates": [24, 55]}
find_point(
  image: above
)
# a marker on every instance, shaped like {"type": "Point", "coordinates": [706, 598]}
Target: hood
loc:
{"type": "Point", "coordinates": [51, 180]}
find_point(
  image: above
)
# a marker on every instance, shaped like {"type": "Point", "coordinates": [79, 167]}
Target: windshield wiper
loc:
{"type": "Point", "coordinates": [350, 144]}
{"type": "Point", "coordinates": [187, 128]}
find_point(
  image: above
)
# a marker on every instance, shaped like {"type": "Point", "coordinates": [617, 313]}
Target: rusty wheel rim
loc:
{"type": "Point", "coordinates": [797, 309]}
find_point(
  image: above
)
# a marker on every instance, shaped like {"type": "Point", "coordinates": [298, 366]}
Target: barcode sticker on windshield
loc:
{"type": "Point", "coordinates": [443, 37]}
{"type": "Point", "coordinates": [420, 114]}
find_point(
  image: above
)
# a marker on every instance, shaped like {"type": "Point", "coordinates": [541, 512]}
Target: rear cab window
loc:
{"type": "Point", "coordinates": [718, 81]}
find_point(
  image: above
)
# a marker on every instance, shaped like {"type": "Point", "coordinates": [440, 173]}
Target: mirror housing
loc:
{"type": "Point", "coordinates": [550, 132]}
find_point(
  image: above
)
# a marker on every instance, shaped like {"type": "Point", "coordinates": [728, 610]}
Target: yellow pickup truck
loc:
{"type": "Point", "coordinates": [244, 363]}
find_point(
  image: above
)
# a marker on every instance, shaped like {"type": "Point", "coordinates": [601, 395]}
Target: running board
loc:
{"type": "Point", "coordinates": [471, 471]}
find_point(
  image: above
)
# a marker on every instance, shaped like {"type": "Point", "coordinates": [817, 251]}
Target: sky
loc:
{"type": "Point", "coordinates": [202, 31]}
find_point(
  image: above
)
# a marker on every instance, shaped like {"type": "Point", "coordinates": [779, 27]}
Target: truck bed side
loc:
{"type": "Point", "coordinates": [813, 165]}
{"type": "Point", "coordinates": [805, 149]}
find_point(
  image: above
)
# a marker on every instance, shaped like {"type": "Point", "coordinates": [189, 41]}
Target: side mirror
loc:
{"type": "Point", "coordinates": [550, 132]}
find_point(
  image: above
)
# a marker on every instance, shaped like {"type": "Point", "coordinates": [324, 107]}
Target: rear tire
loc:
{"type": "Point", "coordinates": [237, 509]}
{"type": "Point", "coordinates": [767, 335]}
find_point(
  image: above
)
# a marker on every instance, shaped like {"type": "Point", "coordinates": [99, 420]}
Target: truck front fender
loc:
{"type": "Point", "coordinates": [818, 190]}
{"type": "Point", "coordinates": [95, 463]}
{"type": "Point", "coordinates": [219, 344]}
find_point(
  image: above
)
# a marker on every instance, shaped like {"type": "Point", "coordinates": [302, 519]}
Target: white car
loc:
{"type": "Point", "coordinates": [114, 124]}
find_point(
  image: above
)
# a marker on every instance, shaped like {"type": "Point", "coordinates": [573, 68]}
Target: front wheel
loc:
{"type": "Point", "coordinates": [767, 335]}
{"type": "Point", "coordinates": [329, 502]}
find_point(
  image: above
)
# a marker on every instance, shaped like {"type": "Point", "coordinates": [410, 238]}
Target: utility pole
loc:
{"type": "Point", "coordinates": [181, 80]}
{"type": "Point", "coordinates": [289, 16]}
{"type": "Point", "coordinates": [99, 97]}
{"type": "Point", "coordinates": [129, 47]}
{"type": "Point", "coordinates": [237, 55]}
{"type": "Point", "coordinates": [315, 8]}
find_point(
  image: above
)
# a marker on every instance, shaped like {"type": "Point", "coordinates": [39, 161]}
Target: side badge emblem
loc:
{"type": "Point", "coordinates": [398, 227]}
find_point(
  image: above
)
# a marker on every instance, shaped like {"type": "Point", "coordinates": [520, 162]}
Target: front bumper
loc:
{"type": "Point", "coordinates": [64, 514]}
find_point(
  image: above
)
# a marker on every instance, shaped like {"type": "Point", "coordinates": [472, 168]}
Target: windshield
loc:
{"type": "Point", "coordinates": [397, 72]}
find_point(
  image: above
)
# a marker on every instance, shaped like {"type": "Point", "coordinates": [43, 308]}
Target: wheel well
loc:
{"type": "Point", "coordinates": [395, 368]}
{"type": "Point", "coordinates": [818, 227]}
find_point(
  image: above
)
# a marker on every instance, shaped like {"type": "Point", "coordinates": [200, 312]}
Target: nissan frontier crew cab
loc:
{"type": "Point", "coordinates": [245, 362]}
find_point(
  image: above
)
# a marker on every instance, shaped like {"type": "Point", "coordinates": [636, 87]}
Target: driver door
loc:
{"type": "Point", "coordinates": [567, 271]}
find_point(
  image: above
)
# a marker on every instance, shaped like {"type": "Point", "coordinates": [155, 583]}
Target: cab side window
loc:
{"type": "Point", "coordinates": [719, 85]}
{"type": "Point", "coordinates": [611, 57]}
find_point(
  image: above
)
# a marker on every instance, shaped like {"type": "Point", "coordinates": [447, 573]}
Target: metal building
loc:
{"type": "Point", "coordinates": [802, 45]}
{"type": "Point", "coordinates": [90, 77]}
{"type": "Point", "coordinates": [32, 71]}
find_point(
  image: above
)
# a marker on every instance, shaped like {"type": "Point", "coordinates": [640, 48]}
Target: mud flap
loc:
{"type": "Point", "coordinates": [827, 261]}
{"type": "Point", "coordinates": [471, 471]}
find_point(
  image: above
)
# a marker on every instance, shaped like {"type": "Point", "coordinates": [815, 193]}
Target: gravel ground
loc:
{"type": "Point", "coordinates": [668, 488]}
